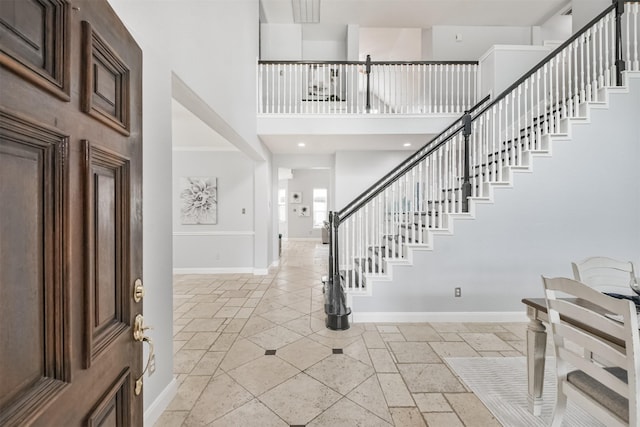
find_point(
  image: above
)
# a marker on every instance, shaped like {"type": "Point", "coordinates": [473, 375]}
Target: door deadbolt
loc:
{"type": "Point", "coordinates": [138, 290]}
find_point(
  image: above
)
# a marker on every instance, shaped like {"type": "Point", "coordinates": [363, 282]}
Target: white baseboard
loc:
{"type": "Point", "coordinates": [303, 239]}
{"type": "Point", "coordinates": [227, 270]}
{"type": "Point", "coordinates": [479, 316]}
{"type": "Point", "coordinates": [157, 407]}
{"type": "Point", "coordinates": [260, 271]}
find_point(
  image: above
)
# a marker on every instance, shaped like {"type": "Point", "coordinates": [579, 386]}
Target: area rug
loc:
{"type": "Point", "coordinates": [501, 384]}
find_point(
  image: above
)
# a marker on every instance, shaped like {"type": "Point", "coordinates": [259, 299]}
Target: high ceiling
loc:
{"type": "Point", "coordinates": [419, 13]}
{"type": "Point", "coordinates": [189, 131]}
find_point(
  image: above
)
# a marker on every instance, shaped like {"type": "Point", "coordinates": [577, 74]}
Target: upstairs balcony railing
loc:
{"type": "Point", "coordinates": [481, 148]}
{"type": "Point", "coordinates": [366, 87]}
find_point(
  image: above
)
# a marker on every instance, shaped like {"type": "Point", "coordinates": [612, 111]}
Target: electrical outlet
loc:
{"type": "Point", "coordinates": [152, 364]}
{"type": "Point", "coordinates": [457, 292]}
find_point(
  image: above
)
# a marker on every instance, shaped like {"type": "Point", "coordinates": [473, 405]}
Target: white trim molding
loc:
{"type": "Point", "coordinates": [214, 233]}
{"type": "Point", "coordinates": [226, 270]}
{"type": "Point", "coordinates": [154, 411]}
{"type": "Point", "coordinates": [192, 149]}
{"type": "Point", "coordinates": [409, 317]}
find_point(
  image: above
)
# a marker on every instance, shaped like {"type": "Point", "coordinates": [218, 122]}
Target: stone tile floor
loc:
{"type": "Point", "coordinates": [254, 351]}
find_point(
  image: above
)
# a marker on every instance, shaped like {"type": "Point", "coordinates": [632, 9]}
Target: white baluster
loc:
{"type": "Point", "coordinates": [471, 91]}
{"type": "Point", "coordinates": [582, 70]}
{"type": "Point", "coordinates": [259, 95]}
{"type": "Point", "coordinates": [594, 66]}
{"type": "Point", "coordinates": [420, 201]}
{"type": "Point", "coordinates": [577, 46]}
{"type": "Point", "coordinates": [412, 192]}
{"type": "Point", "coordinates": [438, 87]}
{"type": "Point", "coordinates": [587, 65]}
{"type": "Point", "coordinates": [519, 127]}
{"type": "Point", "coordinates": [600, 32]}
{"type": "Point", "coordinates": [636, 39]}
{"type": "Point", "coordinates": [564, 76]}
{"type": "Point", "coordinates": [458, 174]}
{"type": "Point", "coordinates": [446, 185]}
{"type": "Point", "coordinates": [380, 233]}
{"type": "Point", "coordinates": [430, 101]}
{"type": "Point", "coordinates": [446, 106]}
{"type": "Point", "coordinates": [395, 228]}
{"type": "Point", "coordinates": [556, 85]}
{"type": "Point", "coordinates": [500, 143]}
{"type": "Point", "coordinates": [367, 243]}
{"type": "Point", "coordinates": [548, 114]}
{"type": "Point", "coordinates": [513, 151]}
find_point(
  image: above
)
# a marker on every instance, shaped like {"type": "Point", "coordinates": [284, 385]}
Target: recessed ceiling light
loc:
{"type": "Point", "coordinates": [406, 144]}
{"type": "Point", "coordinates": [300, 144]}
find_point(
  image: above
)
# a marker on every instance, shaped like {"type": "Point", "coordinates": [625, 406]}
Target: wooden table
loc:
{"type": "Point", "coordinates": [537, 344]}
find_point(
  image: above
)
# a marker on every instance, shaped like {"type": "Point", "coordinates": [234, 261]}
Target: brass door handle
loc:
{"type": "Point", "coordinates": [138, 388]}
{"type": "Point", "coordinates": [139, 328]}
{"type": "Point", "coordinates": [138, 335]}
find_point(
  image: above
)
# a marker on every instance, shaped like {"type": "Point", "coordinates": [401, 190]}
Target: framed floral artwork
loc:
{"type": "Point", "coordinates": [199, 196]}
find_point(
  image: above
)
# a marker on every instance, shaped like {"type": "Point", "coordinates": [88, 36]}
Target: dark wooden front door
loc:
{"type": "Point", "coordinates": [70, 215]}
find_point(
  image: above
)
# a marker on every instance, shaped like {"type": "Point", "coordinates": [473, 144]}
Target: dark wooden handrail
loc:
{"type": "Point", "coordinates": [406, 165]}
{"type": "Point", "coordinates": [307, 62]}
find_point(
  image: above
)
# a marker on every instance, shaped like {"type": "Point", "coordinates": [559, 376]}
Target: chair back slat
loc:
{"type": "Point", "coordinates": [605, 274]}
{"type": "Point", "coordinates": [598, 335]}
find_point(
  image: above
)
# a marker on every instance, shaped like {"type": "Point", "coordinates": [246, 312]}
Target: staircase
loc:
{"type": "Point", "coordinates": [380, 240]}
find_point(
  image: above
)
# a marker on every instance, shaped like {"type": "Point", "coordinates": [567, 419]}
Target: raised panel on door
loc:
{"type": "Point", "coordinates": [107, 248]}
{"type": "Point", "coordinates": [113, 409]}
{"type": "Point", "coordinates": [105, 89]}
{"type": "Point", "coordinates": [32, 171]}
{"type": "Point", "coordinates": [35, 42]}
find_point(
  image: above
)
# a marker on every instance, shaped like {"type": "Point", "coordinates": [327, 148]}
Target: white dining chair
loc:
{"type": "Point", "coordinates": [609, 391]}
{"type": "Point", "coordinates": [606, 274]}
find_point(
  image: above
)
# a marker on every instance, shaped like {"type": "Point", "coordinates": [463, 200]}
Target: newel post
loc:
{"type": "Point", "coordinates": [466, 184]}
{"type": "Point", "coordinates": [335, 302]}
{"type": "Point", "coordinates": [620, 65]}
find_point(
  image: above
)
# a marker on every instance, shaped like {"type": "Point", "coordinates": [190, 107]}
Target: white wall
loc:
{"type": "Point", "coordinates": [157, 239]}
{"type": "Point", "coordinates": [281, 42]}
{"type": "Point", "coordinates": [503, 65]}
{"type": "Point", "coordinates": [583, 11]}
{"type": "Point", "coordinates": [353, 42]}
{"type": "Point", "coordinates": [295, 42]}
{"type": "Point", "coordinates": [212, 47]}
{"type": "Point", "coordinates": [227, 245]}
{"type": "Point", "coordinates": [557, 28]}
{"type": "Point", "coordinates": [304, 181]}
{"type": "Point", "coordinates": [324, 50]}
{"type": "Point", "coordinates": [427, 44]}
{"type": "Point", "coordinates": [265, 238]}
{"type": "Point", "coordinates": [355, 171]}
{"type": "Point", "coordinates": [582, 201]}
{"type": "Point", "coordinates": [474, 41]}
{"type": "Point", "coordinates": [391, 44]}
